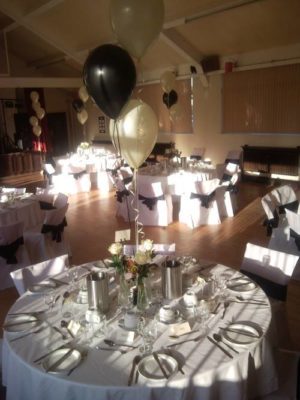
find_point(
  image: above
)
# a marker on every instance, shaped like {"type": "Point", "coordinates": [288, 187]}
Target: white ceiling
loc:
{"type": "Point", "coordinates": [51, 38]}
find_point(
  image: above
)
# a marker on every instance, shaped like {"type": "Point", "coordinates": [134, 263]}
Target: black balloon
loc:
{"type": "Point", "coordinates": [170, 99]}
{"type": "Point", "coordinates": [78, 105]}
{"type": "Point", "coordinates": [109, 76]}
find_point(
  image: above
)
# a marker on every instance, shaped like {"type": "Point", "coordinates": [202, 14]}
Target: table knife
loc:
{"type": "Point", "coordinates": [135, 361]}
{"type": "Point", "coordinates": [18, 323]}
{"type": "Point", "coordinates": [156, 358]}
{"type": "Point", "coordinates": [58, 362]}
{"type": "Point", "coordinates": [240, 332]}
{"type": "Point", "coordinates": [184, 341]}
{"type": "Point", "coordinates": [49, 353]}
{"type": "Point", "coordinates": [220, 347]}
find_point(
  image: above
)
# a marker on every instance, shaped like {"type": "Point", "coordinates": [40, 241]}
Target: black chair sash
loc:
{"type": "Point", "coordinates": [271, 223]}
{"type": "Point", "coordinates": [121, 193]}
{"type": "Point", "coordinates": [8, 251]}
{"type": "Point", "coordinates": [44, 205]}
{"type": "Point", "coordinates": [150, 202]}
{"type": "Point", "coordinates": [205, 199]}
{"type": "Point", "coordinates": [293, 206]}
{"type": "Point", "coordinates": [127, 180]}
{"type": "Point", "coordinates": [55, 230]}
{"type": "Point", "coordinates": [225, 178]}
{"type": "Point", "coordinates": [295, 235]}
{"type": "Point", "coordinates": [272, 289]}
{"type": "Point", "coordinates": [232, 188]}
{"type": "Point", "coordinates": [77, 175]}
{"type": "Point", "coordinates": [232, 161]}
{"type": "Point", "coordinates": [113, 172]}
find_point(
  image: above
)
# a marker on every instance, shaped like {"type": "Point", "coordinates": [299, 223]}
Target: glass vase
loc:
{"type": "Point", "coordinates": [123, 295]}
{"type": "Point", "coordinates": [142, 298]}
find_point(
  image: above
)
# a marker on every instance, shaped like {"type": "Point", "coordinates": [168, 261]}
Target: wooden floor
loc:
{"type": "Point", "coordinates": [92, 224]}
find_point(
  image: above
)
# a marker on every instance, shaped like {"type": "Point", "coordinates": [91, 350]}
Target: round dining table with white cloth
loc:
{"type": "Point", "coordinates": [26, 210]}
{"type": "Point", "coordinates": [208, 373]}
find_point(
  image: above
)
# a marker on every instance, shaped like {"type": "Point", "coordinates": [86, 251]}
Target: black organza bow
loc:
{"type": "Point", "coordinates": [8, 251]}
{"type": "Point", "coordinates": [113, 172]}
{"type": "Point", "coordinates": [204, 198]}
{"type": "Point", "coordinates": [225, 178]}
{"type": "Point", "coordinates": [127, 180]}
{"type": "Point", "coordinates": [55, 230]}
{"type": "Point", "coordinates": [271, 223]}
{"type": "Point", "coordinates": [150, 202]}
{"type": "Point", "coordinates": [295, 235]}
{"type": "Point", "coordinates": [232, 188]}
{"type": "Point", "coordinates": [44, 205]}
{"type": "Point", "coordinates": [78, 175]}
{"type": "Point", "coordinates": [121, 193]}
{"type": "Point", "coordinates": [293, 206]}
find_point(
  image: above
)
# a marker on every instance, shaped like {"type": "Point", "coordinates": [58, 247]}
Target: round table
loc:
{"type": "Point", "coordinates": [26, 210]}
{"type": "Point", "coordinates": [209, 373]}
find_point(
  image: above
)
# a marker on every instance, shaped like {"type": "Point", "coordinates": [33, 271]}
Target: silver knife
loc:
{"type": "Point", "coordinates": [156, 358]}
{"type": "Point", "coordinates": [240, 332]}
{"type": "Point", "coordinates": [220, 347]}
{"type": "Point", "coordinates": [18, 323]}
{"type": "Point", "coordinates": [49, 352]}
{"type": "Point", "coordinates": [58, 362]}
{"type": "Point", "coordinates": [184, 341]}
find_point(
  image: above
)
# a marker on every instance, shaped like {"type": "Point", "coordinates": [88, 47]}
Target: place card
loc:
{"type": "Point", "coordinates": [180, 329]}
{"type": "Point", "coordinates": [122, 336]}
{"type": "Point", "coordinates": [74, 327]}
{"type": "Point", "coordinates": [122, 235]}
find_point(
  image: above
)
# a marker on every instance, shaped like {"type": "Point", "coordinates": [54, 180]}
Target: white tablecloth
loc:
{"type": "Point", "coordinates": [26, 210]}
{"type": "Point", "coordinates": [176, 183]}
{"type": "Point", "coordinates": [209, 373]}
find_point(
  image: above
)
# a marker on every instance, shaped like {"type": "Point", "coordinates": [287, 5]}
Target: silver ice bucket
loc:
{"type": "Point", "coordinates": [97, 288]}
{"type": "Point", "coordinates": [171, 280]}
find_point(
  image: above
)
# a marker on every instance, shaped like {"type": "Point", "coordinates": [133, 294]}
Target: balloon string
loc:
{"type": "Point", "coordinates": [116, 138]}
{"type": "Point", "coordinates": [134, 204]}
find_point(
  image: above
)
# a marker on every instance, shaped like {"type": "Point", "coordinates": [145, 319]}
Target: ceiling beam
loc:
{"type": "Point", "coordinates": [176, 42]}
{"type": "Point", "coordinates": [40, 82]}
{"type": "Point", "coordinates": [38, 32]}
{"type": "Point", "coordinates": [34, 13]}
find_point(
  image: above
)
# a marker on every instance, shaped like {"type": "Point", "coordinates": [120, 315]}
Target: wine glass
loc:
{"type": "Point", "coordinates": [49, 298]}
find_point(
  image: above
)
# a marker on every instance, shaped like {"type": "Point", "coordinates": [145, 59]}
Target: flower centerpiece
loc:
{"type": "Point", "coordinates": [137, 267]}
{"type": "Point", "coordinates": [84, 148]}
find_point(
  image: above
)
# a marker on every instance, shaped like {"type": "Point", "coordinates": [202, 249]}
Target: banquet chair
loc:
{"type": "Point", "coordinates": [25, 277]}
{"type": "Point", "coordinates": [233, 156]}
{"type": "Point", "coordinates": [54, 232]}
{"type": "Point", "coordinates": [272, 271]}
{"type": "Point", "coordinates": [198, 153]}
{"type": "Point", "coordinates": [13, 252]}
{"type": "Point", "coordinates": [158, 248]}
{"type": "Point", "coordinates": [125, 201]}
{"type": "Point", "coordinates": [155, 207]}
{"type": "Point", "coordinates": [48, 171]}
{"type": "Point", "coordinates": [199, 205]}
{"type": "Point", "coordinates": [126, 174]}
{"type": "Point", "coordinates": [226, 196]}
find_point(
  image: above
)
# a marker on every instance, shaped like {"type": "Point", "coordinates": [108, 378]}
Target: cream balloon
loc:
{"type": "Point", "coordinates": [82, 116]}
{"type": "Point", "coordinates": [40, 112]}
{"type": "Point", "coordinates": [135, 131]}
{"type": "Point", "coordinates": [34, 96]}
{"type": "Point", "coordinates": [136, 23]}
{"type": "Point", "coordinates": [175, 113]}
{"type": "Point", "coordinates": [33, 121]}
{"type": "Point", "coordinates": [36, 106]}
{"type": "Point", "coordinates": [168, 81]}
{"type": "Point", "coordinates": [83, 94]}
{"type": "Point", "coordinates": [37, 130]}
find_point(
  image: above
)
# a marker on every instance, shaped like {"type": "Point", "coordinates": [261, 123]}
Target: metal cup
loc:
{"type": "Point", "coordinates": [171, 280]}
{"type": "Point", "coordinates": [97, 288]}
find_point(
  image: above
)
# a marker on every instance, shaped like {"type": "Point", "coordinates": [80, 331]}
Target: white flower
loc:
{"type": "Point", "coordinates": [147, 244]}
{"type": "Point", "coordinates": [115, 249]}
{"type": "Point", "coordinates": [141, 258]}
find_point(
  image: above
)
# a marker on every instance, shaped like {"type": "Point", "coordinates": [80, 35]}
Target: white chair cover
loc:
{"type": "Point", "coordinates": [26, 277]}
{"type": "Point", "coordinates": [160, 212]}
{"type": "Point", "coordinates": [49, 169]}
{"type": "Point", "coordinates": [272, 265]}
{"type": "Point", "coordinates": [293, 220]}
{"type": "Point", "coordinates": [60, 200]}
{"type": "Point", "coordinates": [9, 234]}
{"type": "Point", "coordinates": [192, 212]}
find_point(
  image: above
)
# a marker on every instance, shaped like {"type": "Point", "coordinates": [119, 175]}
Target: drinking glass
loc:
{"type": "Point", "coordinates": [49, 298]}
{"type": "Point", "coordinates": [148, 332]}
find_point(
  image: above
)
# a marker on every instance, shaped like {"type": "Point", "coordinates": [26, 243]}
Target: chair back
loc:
{"type": "Point", "coordinates": [271, 269]}
{"type": "Point", "coordinates": [205, 187]}
{"type": "Point", "coordinates": [60, 200]}
{"type": "Point", "coordinates": [25, 277]}
{"type": "Point", "coordinates": [293, 220]}
{"type": "Point", "coordinates": [9, 233]}
{"type": "Point", "coordinates": [55, 216]}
